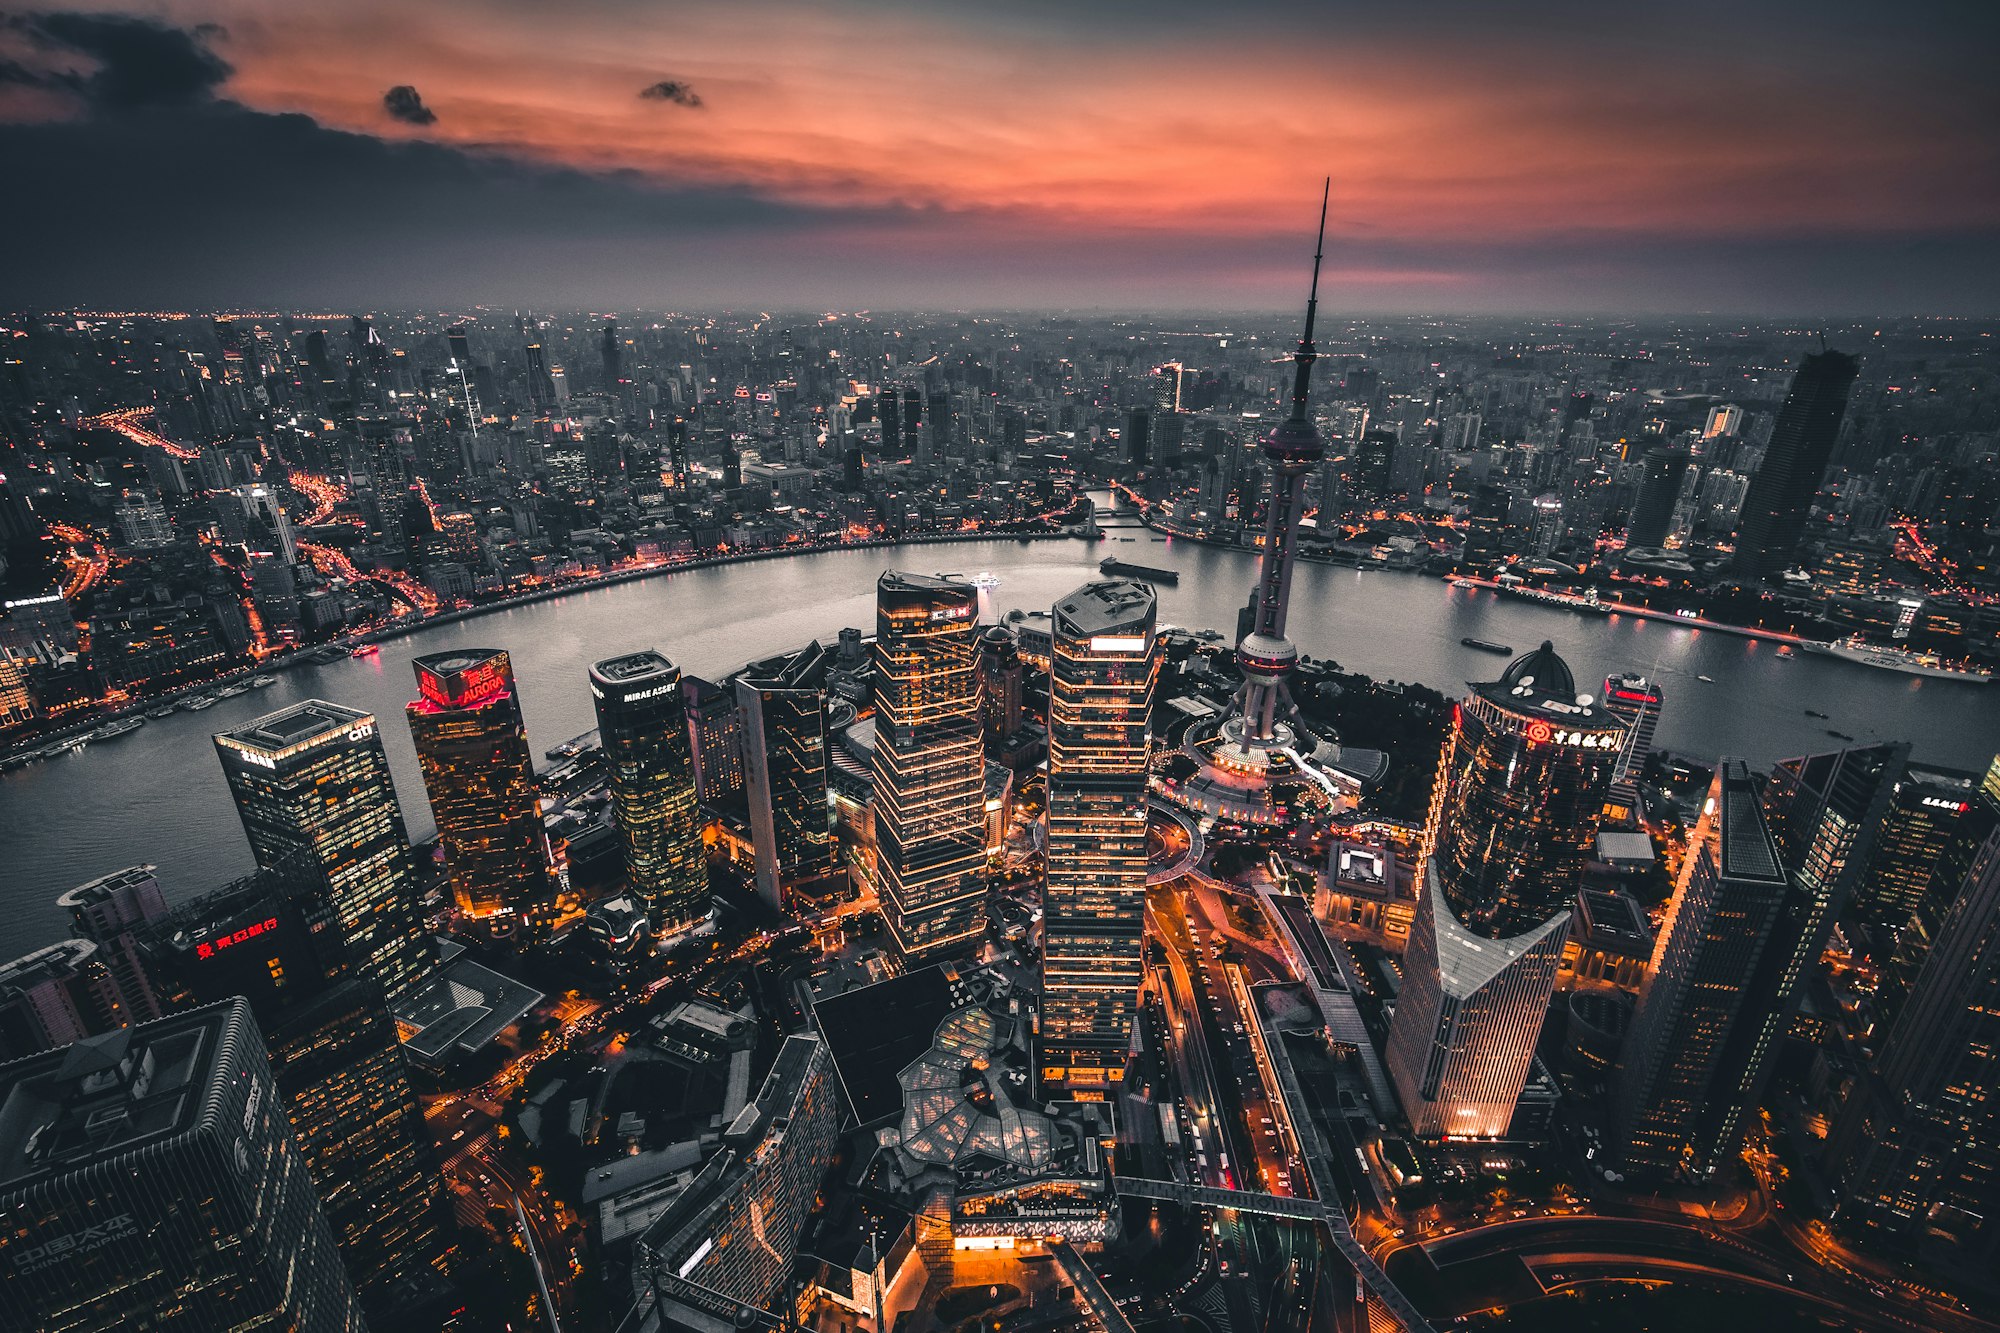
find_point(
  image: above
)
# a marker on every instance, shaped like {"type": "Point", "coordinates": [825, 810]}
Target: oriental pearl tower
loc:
{"type": "Point", "coordinates": [1260, 765]}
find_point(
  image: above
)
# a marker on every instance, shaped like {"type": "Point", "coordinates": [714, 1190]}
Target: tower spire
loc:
{"type": "Point", "coordinates": [1307, 353]}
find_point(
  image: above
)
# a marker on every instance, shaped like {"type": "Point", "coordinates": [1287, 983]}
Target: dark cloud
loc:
{"type": "Point", "coordinates": [671, 90]}
{"type": "Point", "coordinates": [404, 103]}
{"type": "Point", "coordinates": [139, 63]}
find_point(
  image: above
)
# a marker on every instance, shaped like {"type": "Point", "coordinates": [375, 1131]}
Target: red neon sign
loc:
{"type": "Point", "coordinates": [1539, 733]}
{"type": "Point", "coordinates": [251, 931]}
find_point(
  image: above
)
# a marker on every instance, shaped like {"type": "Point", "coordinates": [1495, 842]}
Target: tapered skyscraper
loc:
{"type": "Point", "coordinates": [1772, 522]}
{"type": "Point", "coordinates": [473, 747]}
{"type": "Point", "coordinates": [1462, 1042]}
{"type": "Point", "coordinates": [642, 722]}
{"type": "Point", "coordinates": [930, 767]}
{"type": "Point", "coordinates": [1104, 660]}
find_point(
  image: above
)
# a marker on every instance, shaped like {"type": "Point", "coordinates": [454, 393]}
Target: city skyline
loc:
{"type": "Point", "coordinates": [1110, 159]}
{"type": "Point", "coordinates": [1285, 819]}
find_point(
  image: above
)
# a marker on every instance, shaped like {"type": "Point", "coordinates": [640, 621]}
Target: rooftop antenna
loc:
{"type": "Point", "coordinates": [1307, 354]}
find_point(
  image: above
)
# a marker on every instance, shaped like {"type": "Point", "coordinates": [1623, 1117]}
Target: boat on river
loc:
{"type": "Point", "coordinates": [1486, 646]}
{"type": "Point", "coordinates": [1898, 659]}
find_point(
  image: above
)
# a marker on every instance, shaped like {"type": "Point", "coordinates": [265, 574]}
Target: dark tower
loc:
{"type": "Point", "coordinates": [1773, 520]}
{"type": "Point", "coordinates": [642, 719]}
{"type": "Point", "coordinates": [1659, 491]}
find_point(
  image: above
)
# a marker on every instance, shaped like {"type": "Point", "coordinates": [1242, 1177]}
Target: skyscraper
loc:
{"type": "Point", "coordinates": [1652, 520]}
{"type": "Point", "coordinates": [1720, 921]}
{"type": "Point", "coordinates": [1520, 793]}
{"type": "Point", "coordinates": [1104, 660]}
{"type": "Point", "coordinates": [1000, 681]}
{"type": "Point", "coordinates": [1462, 1042]}
{"type": "Point", "coordinates": [930, 768]}
{"type": "Point", "coordinates": [313, 790]}
{"type": "Point", "coordinates": [1375, 464]}
{"type": "Point", "coordinates": [113, 911]}
{"type": "Point", "coordinates": [729, 1239]}
{"type": "Point", "coordinates": [473, 748]}
{"type": "Point", "coordinates": [1772, 522]}
{"type": "Point", "coordinates": [149, 1180]}
{"type": "Point", "coordinates": [783, 705]}
{"type": "Point", "coordinates": [1822, 812]}
{"type": "Point", "coordinates": [1923, 849]}
{"type": "Point", "coordinates": [337, 1059]}
{"type": "Point", "coordinates": [642, 721]}
{"type": "Point", "coordinates": [1915, 1155]}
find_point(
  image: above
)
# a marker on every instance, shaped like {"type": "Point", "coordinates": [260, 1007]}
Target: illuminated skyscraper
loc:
{"type": "Point", "coordinates": [149, 1180]}
{"type": "Point", "coordinates": [1520, 793]}
{"type": "Point", "coordinates": [642, 721]}
{"type": "Point", "coordinates": [930, 768]}
{"type": "Point", "coordinates": [337, 1059]}
{"type": "Point", "coordinates": [783, 705]}
{"type": "Point", "coordinates": [313, 789]}
{"type": "Point", "coordinates": [1915, 1155]}
{"type": "Point", "coordinates": [1823, 812]}
{"type": "Point", "coordinates": [1462, 1042]}
{"type": "Point", "coordinates": [1105, 659]}
{"type": "Point", "coordinates": [1731, 891]}
{"type": "Point", "coordinates": [473, 748]}
{"type": "Point", "coordinates": [1772, 522]}
{"type": "Point", "coordinates": [728, 1241]}
{"type": "Point", "coordinates": [1927, 840]}
{"type": "Point", "coordinates": [999, 664]}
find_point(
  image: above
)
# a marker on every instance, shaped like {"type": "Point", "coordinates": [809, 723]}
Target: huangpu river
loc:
{"type": "Point", "coordinates": [157, 795]}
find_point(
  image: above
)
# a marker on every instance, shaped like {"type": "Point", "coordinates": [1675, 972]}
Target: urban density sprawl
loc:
{"type": "Point", "coordinates": [984, 964]}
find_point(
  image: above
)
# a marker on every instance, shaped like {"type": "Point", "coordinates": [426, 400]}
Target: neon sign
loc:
{"type": "Point", "coordinates": [210, 948]}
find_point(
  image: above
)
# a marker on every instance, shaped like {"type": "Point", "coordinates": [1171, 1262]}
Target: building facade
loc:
{"type": "Point", "coordinates": [1772, 522]}
{"type": "Point", "coordinates": [728, 1242]}
{"type": "Point", "coordinates": [1106, 661]}
{"type": "Point", "coordinates": [643, 725]}
{"type": "Point", "coordinates": [782, 702]}
{"type": "Point", "coordinates": [113, 911]}
{"type": "Point", "coordinates": [1915, 1156]}
{"type": "Point", "coordinates": [1462, 1042]}
{"type": "Point", "coordinates": [929, 765]}
{"type": "Point", "coordinates": [313, 790]}
{"type": "Point", "coordinates": [472, 746]}
{"type": "Point", "coordinates": [1520, 794]}
{"type": "Point", "coordinates": [150, 1180]}
{"type": "Point", "coordinates": [1636, 702]}
{"type": "Point", "coordinates": [1723, 911]}
{"type": "Point", "coordinates": [338, 1062]}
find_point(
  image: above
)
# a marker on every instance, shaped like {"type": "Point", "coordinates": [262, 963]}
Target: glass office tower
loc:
{"type": "Point", "coordinates": [312, 787]}
{"type": "Point", "coordinates": [1718, 925]}
{"type": "Point", "coordinates": [1520, 794]}
{"type": "Point", "coordinates": [642, 722]}
{"type": "Point", "coordinates": [473, 748]}
{"type": "Point", "coordinates": [1462, 1042]}
{"type": "Point", "coordinates": [149, 1180]}
{"type": "Point", "coordinates": [930, 766]}
{"type": "Point", "coordinates": [1105, 660]}
{"type": "Point", "coordinates": [782, 702]}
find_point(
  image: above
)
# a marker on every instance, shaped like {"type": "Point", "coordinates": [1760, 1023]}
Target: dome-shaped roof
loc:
{"type": "Point", "coordinates": [1543, 670]}
{"type": "Point", "coordinates": [997, 636]}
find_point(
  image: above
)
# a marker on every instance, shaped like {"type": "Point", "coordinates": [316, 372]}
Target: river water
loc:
{"type": "Point", "coordinates": [158, 794]}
